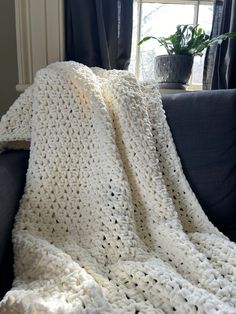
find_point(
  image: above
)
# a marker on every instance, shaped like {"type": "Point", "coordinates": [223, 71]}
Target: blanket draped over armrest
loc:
{"type": "Point", "coordinates": [108, 222]}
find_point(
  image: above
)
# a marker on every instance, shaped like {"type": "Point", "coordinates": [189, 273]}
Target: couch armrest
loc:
{"type": "Point", "coordinates": [203, 126]}
{"type": "Point", "coordinates": [13, 166]}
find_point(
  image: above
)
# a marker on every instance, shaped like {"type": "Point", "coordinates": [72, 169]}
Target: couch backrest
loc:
{"type": "Point", "coordinates": [203, 125]}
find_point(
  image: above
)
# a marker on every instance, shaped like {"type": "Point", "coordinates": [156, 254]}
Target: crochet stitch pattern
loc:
{"type": "Point", "coordinates": [108, 222]}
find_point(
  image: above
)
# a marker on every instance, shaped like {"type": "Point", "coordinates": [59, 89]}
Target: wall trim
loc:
{"type": "Point", "coordinates": [20, 87]}
{"type": "Point", "coordinates": [39, 36]}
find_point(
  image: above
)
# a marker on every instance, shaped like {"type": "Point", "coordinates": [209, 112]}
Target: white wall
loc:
{"type": "Point", "coordinates": [8, 55]}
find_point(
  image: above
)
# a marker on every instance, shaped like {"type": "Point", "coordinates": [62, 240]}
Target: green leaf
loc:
{"type": "Point", "coordinates": [146, 39]}
{"type": "Point", "coordinates": [219, 39]}
{"type": "Point", "coordinates": [188, 40]}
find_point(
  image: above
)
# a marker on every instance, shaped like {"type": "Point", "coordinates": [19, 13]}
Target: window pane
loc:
{"type": "Point", "coordinates": [204, 21]}
{"type": "Point", "coordinates": [134, 39]}
{"type": "Point", "coordinates": [159, 20]}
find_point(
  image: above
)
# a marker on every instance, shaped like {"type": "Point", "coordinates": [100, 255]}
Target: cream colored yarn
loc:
{"type": "Point", "coordinates": [108, 222]}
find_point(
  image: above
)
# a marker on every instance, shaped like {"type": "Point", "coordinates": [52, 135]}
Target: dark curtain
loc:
{"type": "Point", "coordinates": [99, 32]}
{"type": "Point", "coordinates": [220, 60]}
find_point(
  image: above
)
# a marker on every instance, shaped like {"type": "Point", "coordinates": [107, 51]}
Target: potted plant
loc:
{"type": "Point", "coordinates": [174, 69]}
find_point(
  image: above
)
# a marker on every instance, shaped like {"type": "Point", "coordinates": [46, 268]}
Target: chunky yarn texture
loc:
{"type": "Point", "coordinates": [108, 222]}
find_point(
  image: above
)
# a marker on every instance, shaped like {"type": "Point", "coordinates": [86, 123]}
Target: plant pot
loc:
{"type": "Point", "coordinates": [173, 71]}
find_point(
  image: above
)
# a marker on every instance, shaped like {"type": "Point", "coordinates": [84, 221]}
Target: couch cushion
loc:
{"type": "Point", "coordinates": [203, 125]}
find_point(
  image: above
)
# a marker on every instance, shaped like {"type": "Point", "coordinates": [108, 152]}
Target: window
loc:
{"type": "Point", "coordinates": [160, 18]}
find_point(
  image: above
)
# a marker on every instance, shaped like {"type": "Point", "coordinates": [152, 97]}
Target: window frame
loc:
{"type": "Point", "coordinates": [196, 4]}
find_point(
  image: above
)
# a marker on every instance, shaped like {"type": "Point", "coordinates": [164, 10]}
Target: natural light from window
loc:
{"type": "Point", "coordinates": [161, 19]}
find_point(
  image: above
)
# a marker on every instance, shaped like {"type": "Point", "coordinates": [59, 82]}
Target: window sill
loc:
{"type": "Point", "coordinates": [190, 88]}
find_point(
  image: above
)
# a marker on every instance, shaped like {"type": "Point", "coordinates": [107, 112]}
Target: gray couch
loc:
{"type": "Point", "coordinates": [203, 125]}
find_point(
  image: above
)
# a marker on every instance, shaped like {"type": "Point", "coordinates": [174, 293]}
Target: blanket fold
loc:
{"type": "Point", "coordinates": [108, 222]}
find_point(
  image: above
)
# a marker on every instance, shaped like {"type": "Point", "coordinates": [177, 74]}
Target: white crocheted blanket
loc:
{"type": "Point", "coordinates": [108, 222]}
